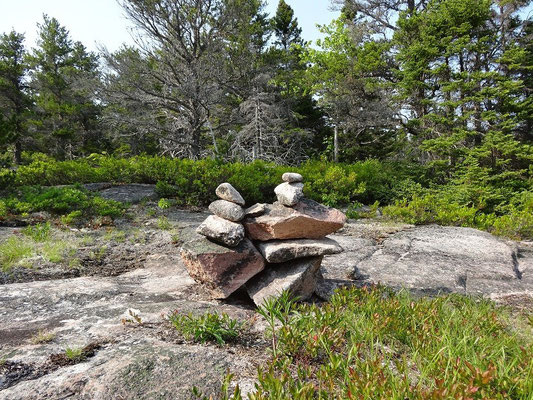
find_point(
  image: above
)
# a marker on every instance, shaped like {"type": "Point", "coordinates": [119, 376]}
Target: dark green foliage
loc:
{"type": "Point", "coordinates": [63, 77]}
{"type": "Point", "coordinates": [63, 200]}
{"type": "Point", "coordinates": [15, 102]}
{"type": "Point", "coordinates": [194, 182]}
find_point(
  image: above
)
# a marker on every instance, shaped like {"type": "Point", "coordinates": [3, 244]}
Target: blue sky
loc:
{"type": "Point", "coordinates": [102, 21]}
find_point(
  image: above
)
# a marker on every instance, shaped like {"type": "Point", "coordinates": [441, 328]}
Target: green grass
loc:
{"type": "Point", "coordinates": [376, 344]}
{"type": "Point", "coordinates": [55, 251]}
{"type": "Point", "coordinates": [209, 327]}
{"type": "Point", "coordinates": [13, 250]}
{"type": "Point", "coordinates": [42, 336]}
{"type": "Point", "coordinates": [37, 240]}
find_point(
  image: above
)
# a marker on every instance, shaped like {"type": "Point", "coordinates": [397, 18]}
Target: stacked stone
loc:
{"type": "Point", "coordinates": [218, 254]}
{"type": "Point", "coordinates": [291, 191]}
{"type": "Point", "coordinates": [291, 236]}
{"type": "Point", "coordinates": [224, 226]}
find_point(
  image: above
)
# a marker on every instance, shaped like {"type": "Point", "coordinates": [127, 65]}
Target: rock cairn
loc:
{"type": "Point", "coordinates": [266, 248]}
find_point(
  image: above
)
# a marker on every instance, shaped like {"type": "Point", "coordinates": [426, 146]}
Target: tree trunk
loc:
{"type": "Point", "coordinates": [336, 144]}
{"type": "Point", "coordinates": [18, 152]}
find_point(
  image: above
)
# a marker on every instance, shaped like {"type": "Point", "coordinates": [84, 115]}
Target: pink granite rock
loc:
{"type": "Point", "coordinates": [306, 220]}
{"type": "Point", "coordinates": [223, 270]}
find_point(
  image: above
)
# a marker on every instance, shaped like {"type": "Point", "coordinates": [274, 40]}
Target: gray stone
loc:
{"type": "Point", "coordinates": [289, 194]}
{"type": "Point", "coordinates": [307, 220]}
{"type": "Point", "coordinates": [221, 230]}
{"type": "Point", "coordinates": [256, 210]}
{"type": "Point", "coordinates": [227, 210]}
{"type": "Point", "coordinates": [223, 270]}
{"type": "Point", "coordinates": [227, 192]}
{"type": "Point", "coordinates": [297, 276]}
{"type": "Point", "coordinates": [292, 177]}
{"type": "Point", "coordinates": [433, 259]}
{"type": "Point", "coordinates": [277, 251]}
{"type": "Point", "coordinates": [131, 193]}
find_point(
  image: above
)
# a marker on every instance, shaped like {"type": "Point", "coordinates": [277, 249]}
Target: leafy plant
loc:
{"type": "Point", "coordinates": [209, 327]}
{"type": "Point", "coordinates": [164, 204]}
{"type": "Point", "coordinates": [39, 232]}
{"type": "Point", "coordinates": [277, 310]}
{"type": "Point", "coordinates": [376, 343]}
{"type": "Point", "coordinates": [163, 223]}
{"type": "Point", "coordinates": [75, 354]}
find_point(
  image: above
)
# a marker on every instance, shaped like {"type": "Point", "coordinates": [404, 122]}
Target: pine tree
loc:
{"type": "Point", "coordinates": [15, 103]}
{"type": "Point", "coordinates": [64, 77]}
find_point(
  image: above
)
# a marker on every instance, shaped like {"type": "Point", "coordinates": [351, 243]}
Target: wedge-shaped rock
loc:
{"type": "Point", "coordinates": [227, 192]}
{"type": "Point", "coordinates": [221, 230]}
{"type": "Point", "coordinates": [256, 210]}
{"type": "Point", "coordinates": [292, 177]}
{"type": "Point", "coordinates": [223, 270]}
{"type": "Point", "coordinates": [227, 210]}
{"type": "Point", "coordinates": [297, 276]}
{"type": "Point", "coordinates": [307, 220]}
{"type": "Point", "coordinates": [277, 251]}
{"type": "Point", "coordinates": [289, 194]}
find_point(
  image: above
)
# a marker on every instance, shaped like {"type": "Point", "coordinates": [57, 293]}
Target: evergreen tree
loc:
{"type": "Point", "coordinates": [285, 58]}
{"type": "Point", "coordinates": [346, 73]}
{"type": "Point", "coordinates": [64, 77]}
{"type": "Point", "coordinates": [15, 103]}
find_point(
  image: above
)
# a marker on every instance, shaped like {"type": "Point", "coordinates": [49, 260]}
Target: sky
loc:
{"type": "Point", "coordinates": [102, 22]}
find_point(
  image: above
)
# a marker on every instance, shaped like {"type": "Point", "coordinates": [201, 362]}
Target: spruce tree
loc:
{"type": "Point", "coordinates": [64, 78]}
{"type": "Point", "coordinates": [15, 103]}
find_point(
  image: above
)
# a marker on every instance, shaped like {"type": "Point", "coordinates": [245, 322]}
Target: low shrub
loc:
{"type": "Point", "coordinates": [373, 343]}
{"type": "Point", "coordinates": [209, 327]}
{"type": "Point", "coordinates": [38, 232]}
{"type": "Point", "coordinates": [70, 200]}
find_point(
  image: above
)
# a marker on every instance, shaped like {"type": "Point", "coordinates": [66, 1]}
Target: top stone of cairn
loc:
{"type": "Point", "coordinates": [292, 177]}
{"type": "Point", "coordinates": [227, 192]}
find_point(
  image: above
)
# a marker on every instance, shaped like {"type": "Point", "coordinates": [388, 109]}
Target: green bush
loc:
{"type": "Point", "coordinates": [209, 327]}
{"type": "Point", "coordinates": [194, 182]}
{"type": "Point", "coordinates": [374, 343]}
{"type": "Point", "coordinates": [61, 200]}
{"type": "Point", "coordinates": [470, 196]}
{"type": "Point", "coordinates": [38, 232]}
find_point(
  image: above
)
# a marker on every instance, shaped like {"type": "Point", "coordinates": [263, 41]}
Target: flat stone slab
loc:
{"type": "Point", "coordinates": [292, 177]}
{"type": "Point", "coordinates": [223, 270]}
{"type": "Point", "coordinates": [256, 210]}
{"type": "Point", "coordinates": [297, 276]}
{"type": "Point", "coordinates": [277, 251]}
{"type": "Point", "coordinates": [132, 193]}
{"type": "Point", "coordinates": [433, 259]}
{"type": "Point", "coordinates": [306, 220]}
{"type": "Point", "coordinates": [136, 361]}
